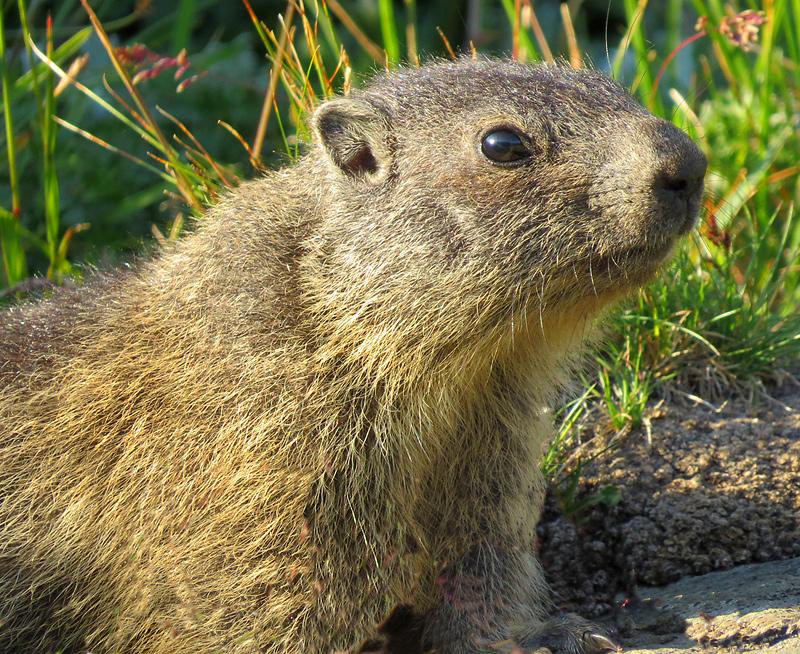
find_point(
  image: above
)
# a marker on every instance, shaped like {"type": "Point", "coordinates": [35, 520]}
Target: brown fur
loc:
{"type": "Point", "coordinates": [331, 398]}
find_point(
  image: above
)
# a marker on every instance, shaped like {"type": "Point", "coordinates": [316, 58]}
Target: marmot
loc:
{"type": "Point", "coordinates": [331, 398]}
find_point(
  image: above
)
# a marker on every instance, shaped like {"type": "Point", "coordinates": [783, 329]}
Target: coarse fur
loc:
{"type": "Point", "coordinates": [331, 397]}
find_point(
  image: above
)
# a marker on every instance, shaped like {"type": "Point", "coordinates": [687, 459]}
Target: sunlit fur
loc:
{"type": "Point", "coordinates": [331, 397]}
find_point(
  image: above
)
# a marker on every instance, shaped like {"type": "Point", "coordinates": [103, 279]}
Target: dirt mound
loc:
{"type": "Point", "coordinates": [700, 489]}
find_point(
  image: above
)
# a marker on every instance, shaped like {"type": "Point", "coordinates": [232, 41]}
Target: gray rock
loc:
{"type": "Point", "coordinates": [750, 608]}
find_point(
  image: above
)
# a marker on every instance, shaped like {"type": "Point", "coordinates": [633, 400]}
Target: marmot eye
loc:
{"type": "Point", "coordinates": [504, 146]}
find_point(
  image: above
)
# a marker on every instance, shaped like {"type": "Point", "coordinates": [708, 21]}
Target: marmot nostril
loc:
{"type": "Point", "coordinates": [676, 184]}
{"type": "Point", "coordinates": [680, 186]}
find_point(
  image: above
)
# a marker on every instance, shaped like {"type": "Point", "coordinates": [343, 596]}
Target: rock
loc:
{"type": "Point", "coordinates": [751, 608]}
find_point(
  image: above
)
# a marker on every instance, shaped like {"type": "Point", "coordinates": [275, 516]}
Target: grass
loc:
{"type": "Point", "coordinates": [12, 252]}
{"type": "Point", "coordinates": [723, 319]}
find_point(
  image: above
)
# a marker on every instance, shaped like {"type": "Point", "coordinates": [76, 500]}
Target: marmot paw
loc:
{"type": "Point", "coordinates": [567, 634]}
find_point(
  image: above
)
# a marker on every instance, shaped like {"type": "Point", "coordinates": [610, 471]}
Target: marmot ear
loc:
{"type": "Point", "coordinates": [354, 135]}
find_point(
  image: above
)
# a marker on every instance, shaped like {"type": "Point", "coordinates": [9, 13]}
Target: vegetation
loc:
{"type": "Point", "coordinates": [120, 122]}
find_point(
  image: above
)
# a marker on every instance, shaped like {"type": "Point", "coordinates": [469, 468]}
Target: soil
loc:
{"type": "Point", "coordinates": [700, 488]}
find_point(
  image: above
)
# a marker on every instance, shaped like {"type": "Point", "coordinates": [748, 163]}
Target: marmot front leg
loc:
{"type": "Point", "coordinates": [493, 600]}
{"type": "Point", "coordinates": [567, 634]}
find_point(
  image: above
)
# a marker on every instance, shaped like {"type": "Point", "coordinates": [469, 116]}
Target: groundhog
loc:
{"type": "Point", "coordinates": [327, 404]}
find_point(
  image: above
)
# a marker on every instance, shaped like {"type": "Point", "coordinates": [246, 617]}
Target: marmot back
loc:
{"type": "Point", "coordinates": [331, 398]}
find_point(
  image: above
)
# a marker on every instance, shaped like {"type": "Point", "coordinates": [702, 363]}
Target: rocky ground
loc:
{"type": "Point", "coordinates": [701, 489]}
{"type": "Point", "coordinates": [750, 608]}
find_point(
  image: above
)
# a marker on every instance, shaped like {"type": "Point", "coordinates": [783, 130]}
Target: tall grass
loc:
{"type": "Point", "coordinates": [724, 318]}
{"type": "Point", "coordinates": [14, 266]}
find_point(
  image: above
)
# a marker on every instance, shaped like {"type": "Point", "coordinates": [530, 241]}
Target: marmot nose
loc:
{"type": "Point", "coordinates": [683, 182]}
{"type": "Point", "coordinates": [680, 166]}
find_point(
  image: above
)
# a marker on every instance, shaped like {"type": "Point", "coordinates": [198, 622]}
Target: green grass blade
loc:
{"type": "Point", "coordinates": [23, 19]}
{"type": "Point", "coordinates": [391, 41]}
{"type": "Point", "coordinates": [184, 23]}
{"type": "Point", "coordinates": [411, 32]}
{"type": "Point", "coordinates": [259, 26]}
{"type": "Point", "coordinates": [51, 190]}
{"type": "Point", "coordinates": [14, 263]}
{"type": "Point", "coordinates": [736, 200]}
{"type": "Point", "coordinates": [634, 18]}
{"type": "Point", "coordinates": [20, 233]}
{"type": "Point", "coordinates": [330, 36]}
{"type": "Point", "coordinates": [526, 44]}
{"type": "Point", "coordinates": [674, 18]}
{"type": "Point", "coordinates": [795, 29]}
{"type": "Point", "coordinates": [66, 50]}
{"type": "Point", "coordinates": [644, 76]}
{"type": "Point", "coordinates": [9, 121]}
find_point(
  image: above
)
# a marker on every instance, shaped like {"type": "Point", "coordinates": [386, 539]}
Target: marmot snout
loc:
{"type": "Point", "coordinates": [332, 397]}
{"type": "Point", "coordinates": [649, 190]}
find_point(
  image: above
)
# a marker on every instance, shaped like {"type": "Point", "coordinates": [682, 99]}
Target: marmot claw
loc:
{"type": "Point", "coordinates": [598, 644]}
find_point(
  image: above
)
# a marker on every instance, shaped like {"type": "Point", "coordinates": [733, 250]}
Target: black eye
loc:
{"type": "Point", "coordinates": [504, 146]}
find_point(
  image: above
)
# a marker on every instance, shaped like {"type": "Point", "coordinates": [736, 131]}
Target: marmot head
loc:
{"type": "Point", "coordinates": [488, 186]}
